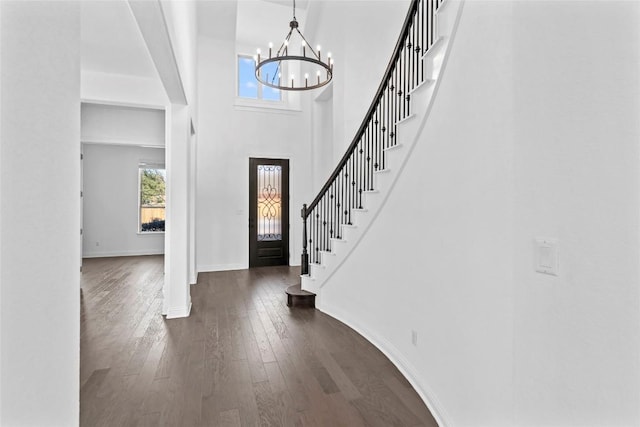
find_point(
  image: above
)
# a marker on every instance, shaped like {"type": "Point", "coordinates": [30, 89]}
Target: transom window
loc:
{"type": "Point", "coordinates": [248, 86]}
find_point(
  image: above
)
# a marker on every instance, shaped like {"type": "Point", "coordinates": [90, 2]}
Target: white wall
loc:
{"type": "Point", "coordinates": [40, 247]}
{"type": "Point", "coordinates": [533, 133]}
{"type": "Point", "coordinates": [117, 89]}
{"type": "Point", "coordinates": [122, 125]}
{"type": "Point", "coordinates": [110, 212]}
{"type": "Point", "coordinates": [228, 136]}
{"type": "Point", "coordinates": [577, 336]}
{"type": "Point", "coordinates": [361, 37]}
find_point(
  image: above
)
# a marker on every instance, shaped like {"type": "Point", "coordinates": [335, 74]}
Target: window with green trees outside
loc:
{"type": "Point", "coordinates": [152, 200]}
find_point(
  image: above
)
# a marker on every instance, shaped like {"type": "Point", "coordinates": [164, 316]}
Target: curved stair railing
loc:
{"type": "Point", "coordinates": [324, 217]}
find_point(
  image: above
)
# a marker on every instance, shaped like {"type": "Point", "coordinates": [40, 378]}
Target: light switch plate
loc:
{"type": "Point", "coordinates": [546, 255]}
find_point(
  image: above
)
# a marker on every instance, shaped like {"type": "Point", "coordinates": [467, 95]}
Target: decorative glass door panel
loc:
{"type": "Point", "coordinates": [269, 195]}
{"type": "Point", "coordinates": [268, 212]}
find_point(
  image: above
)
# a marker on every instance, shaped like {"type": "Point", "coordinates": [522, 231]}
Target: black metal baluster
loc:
{"type": "Point", "coordinates": [415, 51]}
{"type": "Point", "coordinates": [321, 229]}
{"type": "Point", "coordinates": [332, 230]}
{"type": "Point", "coordinates": [369, 161]}
{"type": "Point", "coordinates": [422, 27]}
{"type": "Point", "coordinates": [433, 22]}
{"type": "Point", "coordinates": [352, 185]}
{"type": "Point", "coordinates": [325, 231]}
{"type": "Point", "coordinates": [385, 117]}
{"type": "Point", "coordinates": [407, 84]}
{"type": "Point", "coordinates": [411, 59]}
{"type": "Point", "coordinates": [387, 120]}
{"type": "Point", "coordinates": [317, 236]}
{"type": "Point", "coordinates": [361, 172]}
{"type": "Point", "coordinates": [403, 73]}
{"type": "Point", "coordinates": [393, 100]}
{"type": "Point", "coordinates": [334, 212]}
{"type": "Point", "coordinates": [320, 232]}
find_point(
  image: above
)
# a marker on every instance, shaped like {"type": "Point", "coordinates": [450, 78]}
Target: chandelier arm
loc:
{"type": "Point", "coordinates": [286, 39]}
{"type": "Point", "coordinates": [308, 44]}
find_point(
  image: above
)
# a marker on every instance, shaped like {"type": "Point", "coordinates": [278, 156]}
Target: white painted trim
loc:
{"type": "Point", "coordinates": [121, 253]}
{"type": "Point", "coordinates": [178, 312]}
{"type": "Point", "coordinates": [115, 141]}
{"type": "Point", "coordinates": [395, 356]}
{"type": "Point", "coordinates": [193, 280]}
{"type": "Point", "coordinates": [221, 267]}
{"type": "Point", "coordinates": [121, 103]}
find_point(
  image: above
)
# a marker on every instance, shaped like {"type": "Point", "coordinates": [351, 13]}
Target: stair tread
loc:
{"type": "Point", "coordinates": [297, 297]}
{"type": "Point", "coordinates": [296, 290]}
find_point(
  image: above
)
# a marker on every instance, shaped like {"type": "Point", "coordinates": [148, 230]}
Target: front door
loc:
{"type": "Point", "coordinates": [268, 212]}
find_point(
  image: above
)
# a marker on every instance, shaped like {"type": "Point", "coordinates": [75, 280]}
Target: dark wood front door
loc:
{"type": "Point", "coordinates": [268, 212]}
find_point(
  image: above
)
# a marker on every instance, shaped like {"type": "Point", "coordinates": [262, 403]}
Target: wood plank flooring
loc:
{"type": "Point", "coordinates": [243, 358]}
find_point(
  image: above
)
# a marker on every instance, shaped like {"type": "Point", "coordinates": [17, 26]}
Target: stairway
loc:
{"type": "Point", "coordinates": [352, 224]}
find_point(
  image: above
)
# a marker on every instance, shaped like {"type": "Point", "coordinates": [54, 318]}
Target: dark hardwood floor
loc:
{"type": "Point", "coordinates": [243, 358]}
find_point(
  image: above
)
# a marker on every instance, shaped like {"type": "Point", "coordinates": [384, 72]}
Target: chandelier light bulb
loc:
{"type": "Point", "coordinates": [270, 45]}
{"type": "Point", "coordinates": [328, 54]}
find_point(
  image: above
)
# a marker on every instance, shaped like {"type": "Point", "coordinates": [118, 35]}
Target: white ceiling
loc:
{"type": "Point", "coordinates": [251, 22]}
{"type": "Point", "coordinates": [111, 40]}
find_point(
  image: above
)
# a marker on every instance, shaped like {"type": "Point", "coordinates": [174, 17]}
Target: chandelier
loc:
{"type": "Point", "coordinates": [279, 71]}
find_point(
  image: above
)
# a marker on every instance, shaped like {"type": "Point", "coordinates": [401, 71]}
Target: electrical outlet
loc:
{"type": "Point", "coordinates": [414, 338]}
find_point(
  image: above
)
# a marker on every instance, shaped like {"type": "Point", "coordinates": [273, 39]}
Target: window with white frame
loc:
{"type": "Point", "coordinates": [248, 85]}
{"type": "Point", "coordinates": [152, 198]}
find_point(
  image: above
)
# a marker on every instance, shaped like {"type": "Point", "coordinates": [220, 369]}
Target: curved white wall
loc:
{"type": "Point", "coordinates": [533, 133]}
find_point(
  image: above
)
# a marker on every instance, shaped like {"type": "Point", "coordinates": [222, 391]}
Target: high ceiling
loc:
{"type": "Point", "coordinates": [251, 22]}
{"type": "Point", "coordinates": [111, 41]}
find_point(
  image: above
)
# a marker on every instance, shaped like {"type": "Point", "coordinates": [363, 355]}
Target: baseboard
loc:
{"type": "Point", "coordinates": [221, 267]}
{"type": "Point", "coordinates": [179, 312]}
{"type": "Point", "coordinates": [121, 253]}
{"type": "Point", "coordinates": [395, 356]}
{"type": "Point", "coordinates": [193, 279]}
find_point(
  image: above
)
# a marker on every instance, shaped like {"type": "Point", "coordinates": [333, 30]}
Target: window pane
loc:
{"type": "Point", "coordinates": [247, 83]}
{"type": "Point", "coordinates": [269, 202]}
{"type": "Point", "coordinates": [271, 72]}
{"type": "Point", "coordinates": [152, 199]}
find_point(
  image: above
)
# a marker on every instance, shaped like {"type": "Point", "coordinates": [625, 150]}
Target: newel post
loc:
{"type": "Point", "coordinates": [305, 256]}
